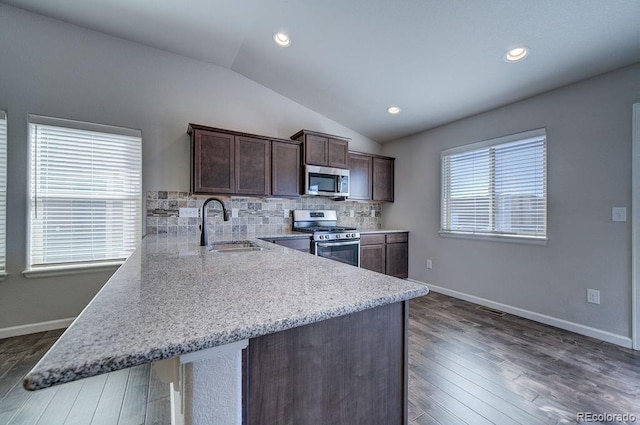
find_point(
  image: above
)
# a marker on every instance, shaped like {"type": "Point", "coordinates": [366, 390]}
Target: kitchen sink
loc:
{"type": "Point", "coordinates": [234, 246]}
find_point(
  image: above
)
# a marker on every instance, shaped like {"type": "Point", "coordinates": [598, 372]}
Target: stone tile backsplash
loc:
{"type": "Point", "coordinates": [255, 215]}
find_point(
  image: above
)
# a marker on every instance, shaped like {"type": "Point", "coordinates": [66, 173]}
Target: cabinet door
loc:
{"type": "Point", "coordinates": [285, 169]}
{"type": "Point", "coordinates": [383, 179]}
{"type": "Point", "coordinates": [213, 162]}
{"type": "Point", "coordinates": [372, 257]}
{"type": "Point", "coordinates": [338, 155]}
{"type": "Point", "coordinates": [398, 259]}
{"type": "Point", "coordinates": [360, 176]}
{"type": "Point", "coordinates": [316, 150]}
{"type": "Point", "coordinates": [253, 166]}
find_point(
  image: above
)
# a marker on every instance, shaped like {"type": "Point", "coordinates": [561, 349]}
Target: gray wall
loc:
{"type": "Point", "coordinates": [51, 68]}
{"type": "Point", "coordinates": [589, 171]}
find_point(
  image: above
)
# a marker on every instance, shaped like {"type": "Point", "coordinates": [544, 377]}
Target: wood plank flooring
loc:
{"type": "Point", "coordinates": [469, 366]}
{"type": "Point", "coordinates": [465, 367]}
{"type": "Point", "coordinates": [126, 397]}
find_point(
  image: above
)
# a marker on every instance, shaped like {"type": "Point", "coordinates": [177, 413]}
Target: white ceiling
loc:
{"type": "Point", "coordinates": [439, 60]}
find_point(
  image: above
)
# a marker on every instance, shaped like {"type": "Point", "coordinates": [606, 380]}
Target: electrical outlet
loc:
{"type": "Point", "coordinates": [286, 213]}
{"type": "Point", "coordinates": [234, 213]}
{"type": "Point", "coordinates": [352, 213]}
{"type": "Point", "coordinates": [373, 213]}
{"type": "Point", "coordinates": [619, 214]}
{"type": "Point", "coordinates": [188, 212]}
{"type": "Point", "coordinates": [593, 296]}
{"type": "Point", "coordinates": [429, 264]}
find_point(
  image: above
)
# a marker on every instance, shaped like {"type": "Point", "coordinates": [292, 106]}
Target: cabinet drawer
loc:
{"type": "Point", "coordinates": [376, 239]}
{"type": "Point", "coordinates": [397, 237]}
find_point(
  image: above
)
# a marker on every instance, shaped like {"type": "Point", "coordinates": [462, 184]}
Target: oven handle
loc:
{"type": "Point", "coordinates": [324, 244]}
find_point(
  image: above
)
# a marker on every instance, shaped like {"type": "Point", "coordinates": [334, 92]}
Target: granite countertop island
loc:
{"type": "Point", "coordinates": [173, 297]}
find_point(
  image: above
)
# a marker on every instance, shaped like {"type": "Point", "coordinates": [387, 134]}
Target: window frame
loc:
{"type": "Point", "coordinates": [495, 235]}
{"type": "Point", "coordinates": [75, 267]}
{"type": "Point", "coordinates": [3, 192]}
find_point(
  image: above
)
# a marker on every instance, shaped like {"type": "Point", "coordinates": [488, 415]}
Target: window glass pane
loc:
{"type": "Point", "coordinates": [496, 187]}
{"type": "Point", "coordinates": [520, 187]}
{"type": "Point", "coordinates": [468, 202]}
{"type": "Point", "coordinates": [85, 207]}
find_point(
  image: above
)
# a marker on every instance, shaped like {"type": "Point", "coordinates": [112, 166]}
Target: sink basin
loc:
{"type": "Point", "coordinates": [234, 246]}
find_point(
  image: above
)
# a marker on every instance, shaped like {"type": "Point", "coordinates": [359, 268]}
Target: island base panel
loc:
{"type": "Point", "coordinates": [347, 370]}
{"type": "Point", "coordinates": [206, 386]}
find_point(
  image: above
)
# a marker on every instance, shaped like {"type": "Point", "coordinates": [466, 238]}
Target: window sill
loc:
{"type": "Point", "coordinates": [528, 240]}
{"type": "Point", "coordinates": [71, 270]}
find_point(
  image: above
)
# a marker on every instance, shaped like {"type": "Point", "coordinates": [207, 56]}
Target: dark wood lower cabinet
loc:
{"type": "Point", "coordinates": [373, 252]}
{"type": "Point", "coordinates": [398, 255]}
{"type": "Point", "coordinates": [344, 371]}
{"type": "Point", "coordinates": [385, 253]}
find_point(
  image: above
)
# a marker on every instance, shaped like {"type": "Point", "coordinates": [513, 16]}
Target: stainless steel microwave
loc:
{"type": "Point", "coordinates": [326, 181]}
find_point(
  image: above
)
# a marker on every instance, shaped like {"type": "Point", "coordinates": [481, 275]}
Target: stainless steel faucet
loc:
{"type": "Point", "coordinates": [203, 228]}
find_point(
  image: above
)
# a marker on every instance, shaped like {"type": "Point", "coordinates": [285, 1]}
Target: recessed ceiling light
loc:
{"type": "Point", "coordinates": [393, 110]}
{"type": "Point", "coordinates": [281, 39]}
{"type": "Point", "coordinates": [516, 54]}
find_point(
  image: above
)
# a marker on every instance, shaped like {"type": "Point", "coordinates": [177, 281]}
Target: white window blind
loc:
{"type": "Point", "coordinates": [497, 187]}
{"type": "Point", "coordinates": [3, 192]}
{"type": "Point", "coordinates": [85, 192]}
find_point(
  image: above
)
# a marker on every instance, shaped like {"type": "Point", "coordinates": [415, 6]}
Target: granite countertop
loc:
{"type": "Point", "coordinates": [173, 297]}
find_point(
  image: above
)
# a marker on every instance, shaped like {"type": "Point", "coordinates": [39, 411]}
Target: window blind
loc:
{"type": "Point", "coordinates": [496, 187]}
{"type": "Point", "coordinates": [85, 192]}
{"type": "Point", "coordinates": [3, 192]}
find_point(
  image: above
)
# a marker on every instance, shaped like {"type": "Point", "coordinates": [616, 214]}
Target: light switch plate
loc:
{"type": "Point", "coordinates": [619, 214]}
{"type": "Point", "coordinates": [286, 213]}
{"type": "Point", "coordinates": [352, 213]}
{"type": "Point", "coordinates": [234, 213]}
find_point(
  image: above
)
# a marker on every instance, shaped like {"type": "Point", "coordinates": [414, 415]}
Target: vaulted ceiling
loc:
{"type": "Point", "coordinates": [438, 60]}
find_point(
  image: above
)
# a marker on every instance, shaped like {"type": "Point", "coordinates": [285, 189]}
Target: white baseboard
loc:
{"type": "Point", "coordinates": [35, 327]}
{"type": "Point", "coordinates": [616, 339]}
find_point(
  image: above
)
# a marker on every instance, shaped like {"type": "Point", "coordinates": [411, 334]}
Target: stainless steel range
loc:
{"type": "Point", "coordinates": [329, 240]}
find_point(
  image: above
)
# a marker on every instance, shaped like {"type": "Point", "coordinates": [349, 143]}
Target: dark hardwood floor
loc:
{"type": "Point", "coordinates": [469, 366]}
{"type": "Point", "coordinates": [465, 367]}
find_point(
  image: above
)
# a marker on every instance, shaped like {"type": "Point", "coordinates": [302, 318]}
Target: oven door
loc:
{"type": "Point", "coordinates": [347, 252]}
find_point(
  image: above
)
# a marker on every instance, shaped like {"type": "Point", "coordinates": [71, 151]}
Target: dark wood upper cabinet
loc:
{"type": "Point", "coordinates": [213, 162]}
{"type": "Point", "coordinates": [230, 162]}
{"type": "Point", "coordinates": [383, 179]}
{"type": "Point", "coordinates": [253, 166]}
{"type": "Point", "coordinates": [360, 173]}
{"type": "Point", "coordinates": [285, 168]}
{"type": "Point", "coordinates": [371, 177]}
{"type": "Point", "coordinates": [338, 153]}
{"type": "Point", "coordinates": [316, 150]}
{"type": "Point", "coordinates": [324, 149]}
